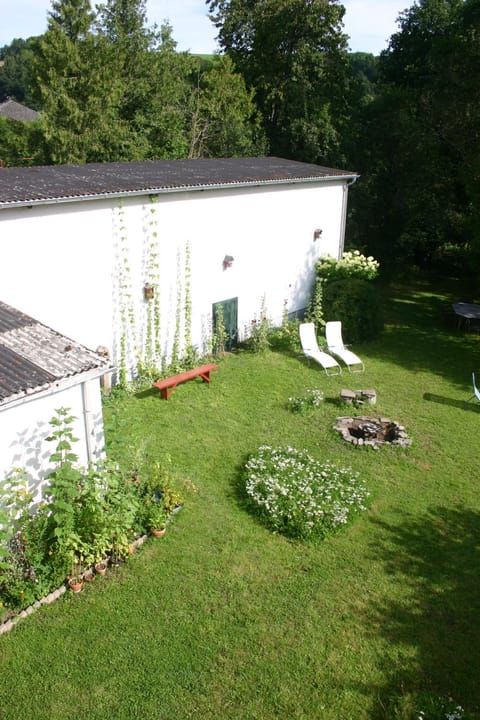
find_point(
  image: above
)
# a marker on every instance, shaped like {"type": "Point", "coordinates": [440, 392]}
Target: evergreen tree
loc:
{"type": "Point", "coordinates": [16, 71]}
{"type": "Point", "coordinates": [78, 94]}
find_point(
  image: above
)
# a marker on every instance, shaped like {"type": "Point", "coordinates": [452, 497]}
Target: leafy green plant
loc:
{"type": "Point", "coordinates": [305, 404]}
{"type": "Point", "coordinates": [257, 340]}
{"type": "Point", "coordinates": [156, 515]}
{"type": "Point", "coordinates": [24, 572]}
{"type": "Point", "coordinates": [88, 515]}
{"type": "Point", "coordinates": [219, 334]}
{"type": "Point", "coordinates": [285, 337]}
{"type": "Point", "coordinates": [64, 490]}
{"type": "Point", "coordinates": [315, 311]}
{"type": "Point", "coordinates": [172, 498]}
{"type": "Point", "coordinates": [300, 496]}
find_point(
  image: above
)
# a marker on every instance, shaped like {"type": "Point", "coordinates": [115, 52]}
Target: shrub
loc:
{"type": "Point", "coordinates": [285, 338]}
{"type": "Point", "coordinates": [257, 340]}
{"type": "Point", "coordinates": [306, 403]}
{"type": "Point", "coordinates": [352, 265]}
{"type": "Point", "coordinates": [88, 513]}
{"type": "Point", "coordinates": [300, 496]}
{"type": "Point", "coordinates": [357, 304]}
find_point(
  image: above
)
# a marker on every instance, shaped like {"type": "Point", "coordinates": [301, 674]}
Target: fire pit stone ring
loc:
{"type": "Point", "coordinates": [372, 432]}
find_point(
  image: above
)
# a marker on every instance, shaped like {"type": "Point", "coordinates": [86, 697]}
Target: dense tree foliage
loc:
{"type": "Point", "coordinates": [19, 142]}
{"type": "Point", "coordinates": [293, 54]}
{"type": "Point", "coordinates": [111, 88]}
{"type": "Point", "coordinates": [16, 71]}
{"type": "Point", "coordinates": [418, 144]}
{"type": "Point", "coordinates": [77, 94]}
{"type": "Point", "coordinates": [224, 120]}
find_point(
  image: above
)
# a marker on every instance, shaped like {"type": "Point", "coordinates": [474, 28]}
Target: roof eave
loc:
{"type": "Point", "coordinates": [55, 387]}
{"type": "Point", "coordinates": [177, 189]}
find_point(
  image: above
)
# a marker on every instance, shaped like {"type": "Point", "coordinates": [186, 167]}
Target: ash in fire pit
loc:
{"type": "Point", "coordinates": [372, 431]}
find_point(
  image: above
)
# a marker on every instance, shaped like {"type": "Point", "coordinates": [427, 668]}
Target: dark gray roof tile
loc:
{"type": "Point", "coordinates": [16, 111]}
{"type": "Point", "coordinates": [29, 185]}
{"type": "Point", "coordinates": [33, 356]}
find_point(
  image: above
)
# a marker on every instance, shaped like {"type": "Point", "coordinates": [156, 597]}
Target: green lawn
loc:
{"type": "Point", "coordinates": [223, 619]}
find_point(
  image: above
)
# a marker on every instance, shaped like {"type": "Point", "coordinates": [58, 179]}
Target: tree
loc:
{"type": "Point", "coordinates": [19, 142]}
{"type": "Point", "coordinates": [78, 94]}
{"type": "Point", "coordinates": [421, 138]}
{"type": "Point", "coordinates": [16, 71]}
{"type": "Point", "coordinates": [161, 117]}
{"type": "Point", "coordinates": [292, 54]}
{"type": "Point", "coordinates": [123, 24]}
{"type": "Point", "coordinates": [155, 78]}
{"type": "Point", "coordinates": [224, 119]}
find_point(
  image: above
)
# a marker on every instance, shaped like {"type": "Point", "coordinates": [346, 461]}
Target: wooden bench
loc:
{"type": "Point", "coordinates": [168, 385]}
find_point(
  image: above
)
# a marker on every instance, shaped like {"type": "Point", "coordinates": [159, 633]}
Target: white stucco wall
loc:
{"type": "Point", "coordinates": [60, 262]}
{"type": "Point", "coordinates": [25, 427]}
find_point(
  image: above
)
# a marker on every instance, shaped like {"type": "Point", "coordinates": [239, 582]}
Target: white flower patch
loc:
{"type": "Point", "coordinates": [301, 496]}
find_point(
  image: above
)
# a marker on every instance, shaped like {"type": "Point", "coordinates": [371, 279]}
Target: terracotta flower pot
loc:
{"type": "Point", "coordinates": [75, 584]}
{"type": "Point", "coordinates": [158, 533]}
{"type": "Point", "coordinates": [101, 567]}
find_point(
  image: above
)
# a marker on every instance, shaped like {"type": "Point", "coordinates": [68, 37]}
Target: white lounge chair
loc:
{"type": "Point", "coordinates": [335, 345]}
{"type": "Point", "coordinates": [476, 391]}
{"type": "Point", "coordinates": [308, 340]}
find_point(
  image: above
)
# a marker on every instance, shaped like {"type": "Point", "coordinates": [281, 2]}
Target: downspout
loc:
{"type": "Point", "coordinates": [87, 419]}
{"type": "Point", "coordinates": [343, 224]}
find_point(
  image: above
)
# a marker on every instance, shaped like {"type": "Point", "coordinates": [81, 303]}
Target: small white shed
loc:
{"type": "Point", "coordinates": [41, 371]}
{"type": "Point", "coordinates": [137, 256]}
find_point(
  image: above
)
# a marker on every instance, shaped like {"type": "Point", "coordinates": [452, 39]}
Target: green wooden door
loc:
{"type": "Point", "coordinates": [226, 310]}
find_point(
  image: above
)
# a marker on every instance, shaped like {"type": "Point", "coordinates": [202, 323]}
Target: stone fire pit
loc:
{"type": "Point", "coordinates": [373, 432]}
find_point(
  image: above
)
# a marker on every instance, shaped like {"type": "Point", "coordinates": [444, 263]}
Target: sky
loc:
{"type": "Point", "coordinates": [369, 23]}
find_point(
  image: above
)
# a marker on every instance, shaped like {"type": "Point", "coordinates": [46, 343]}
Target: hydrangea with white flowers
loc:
{"type": "Point", "coordinates": [301, 496]}
{"type": "Point", "coordinates": [352, 264]}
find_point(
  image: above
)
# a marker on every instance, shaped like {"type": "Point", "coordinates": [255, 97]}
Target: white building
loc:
{"type": "Point", "coordinates": [40, 372]}
{"type": "Point", "coordinates": [79, 244]}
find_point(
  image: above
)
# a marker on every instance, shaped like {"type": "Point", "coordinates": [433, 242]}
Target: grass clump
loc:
{"type": "Point", "coordinates": [300, 496]}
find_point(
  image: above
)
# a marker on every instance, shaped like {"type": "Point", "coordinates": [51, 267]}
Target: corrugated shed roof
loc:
{"type": "Point", "coordinates": [33, 357]}
{"type": "Point", "coordinates": [62, 183]}
{"type": "Point", "coordinates": [13, 110]}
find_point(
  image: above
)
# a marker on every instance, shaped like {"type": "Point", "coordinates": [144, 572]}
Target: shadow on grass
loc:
{"type": "Point", "coordinates": [442, 400]}
{"type": "Point", "coordinates": [417, 338]}
{"type": "Point", "coordinates": [433, 563]}
{"type": "Point", "coordinates": [148, 392]}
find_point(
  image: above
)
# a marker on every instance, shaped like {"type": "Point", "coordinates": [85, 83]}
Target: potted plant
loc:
{"type": "Point", "coordinates": [100, 550]}
{"type": "Point", "coordinates": [79, 553]}
{"type": "Point", "coordinates": [75, 578]}
{"type": "Point", "coordinates": [156, 519]}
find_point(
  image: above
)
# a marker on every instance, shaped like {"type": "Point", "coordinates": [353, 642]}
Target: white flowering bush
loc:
{"type": "Point", "coordinates": [305, 404]}
{"type": "Point", "coordinates": [300, 496]}
{"type": "Point", "coordinates": [353, 264]}
{"type": "Point", "coordinates": [426, 705]}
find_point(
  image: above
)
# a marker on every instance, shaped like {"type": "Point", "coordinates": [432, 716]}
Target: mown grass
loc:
{"type": "Point", "coordinates": [222, 618]}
